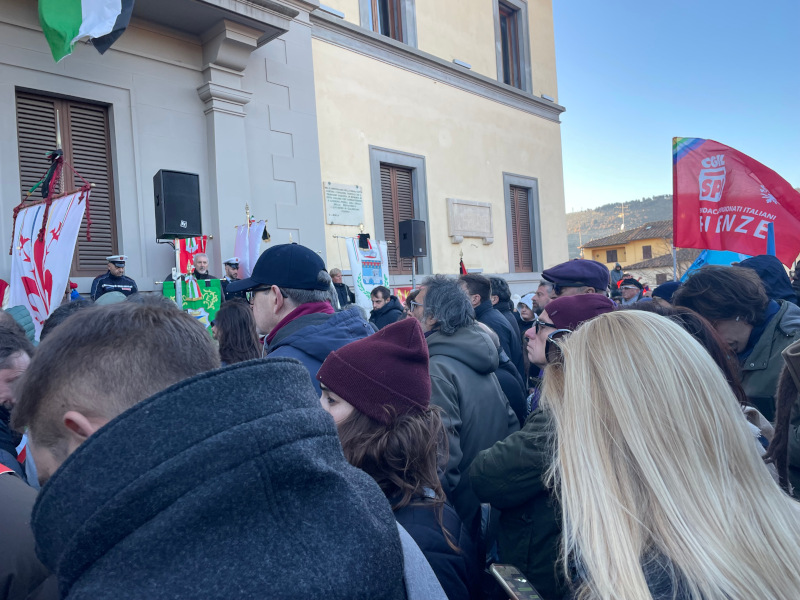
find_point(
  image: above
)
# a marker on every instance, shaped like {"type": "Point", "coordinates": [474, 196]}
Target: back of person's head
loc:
{"type": "Point", "coordinates": [235, 330]}
{"type": "Point", "coordinates": [702, 330]}
{"type": "Point", "coordinates": [722, 293]}
{"type": "Point", "coordinates": [61, 313]}
{"type": "Point", "coordinates": [654, 462]}
{"type": "Point", "coordinates": [447, 304]}
{"type": "Point", "coordinates": [500, 289]}
{"type": "Point", "coordinates": [381, 292]}
{"type": "Point", "coordinates": [101, 362]}
{"type": "Point", "coordinates": [477, 285]}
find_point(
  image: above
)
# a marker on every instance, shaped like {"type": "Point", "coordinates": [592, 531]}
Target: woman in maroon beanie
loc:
{"type": "Point", "coordinates": [378, 390]}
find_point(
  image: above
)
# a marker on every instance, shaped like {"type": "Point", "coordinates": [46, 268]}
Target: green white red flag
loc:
{"type": "Point", "coordinates": [66, 22]}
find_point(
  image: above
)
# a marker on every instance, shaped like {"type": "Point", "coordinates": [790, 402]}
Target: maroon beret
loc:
{"type": "Point", "coordinates": [568, 312]}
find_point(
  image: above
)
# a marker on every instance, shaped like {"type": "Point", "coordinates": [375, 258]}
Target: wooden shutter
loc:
{"type": "Point", "coordinates": [510, 46]}
{"type": "Point", "coordinates": [85, 141]}
{"type": "Point", "coordinates": [647, 252]}
{"type": "Point", "coordinates": [521, 229]}
{"type": "Point", "coordinates": [398, 205]}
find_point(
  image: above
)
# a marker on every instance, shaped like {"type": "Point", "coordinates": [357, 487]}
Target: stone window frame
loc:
{"type": "Point", "coordinates": [532, 185]}
{"type": "Point", "coordinates": [525, 41]}
{"type": "Point", "coordinates": [408, 16]}
{"type": "Point", "coordinates": [419, 186]}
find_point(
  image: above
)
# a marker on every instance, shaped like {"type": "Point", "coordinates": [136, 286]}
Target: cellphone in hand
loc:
{"type": "Point", "coordinates": [514, 583]}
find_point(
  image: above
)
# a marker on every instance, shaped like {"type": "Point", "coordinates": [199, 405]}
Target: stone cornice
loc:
{"type": "Point", "coordinates": [357, 39]}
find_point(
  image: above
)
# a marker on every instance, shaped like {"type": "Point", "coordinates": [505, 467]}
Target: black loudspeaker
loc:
{"type": "Point", "coordinates": [413, 241]}
{"type": "Point", "coordinates": [177, 198]}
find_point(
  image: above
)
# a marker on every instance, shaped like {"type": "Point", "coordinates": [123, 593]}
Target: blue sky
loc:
{"type": "Point", "coordinates": [632, 75]}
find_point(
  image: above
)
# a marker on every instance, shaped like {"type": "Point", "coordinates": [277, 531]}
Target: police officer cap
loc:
{"type": "Point", "coordinates": [578, 273]}
{"type": "Point", "coordinates": [118, 260]}
{"type": "Point", "coordinates": [232, 261]}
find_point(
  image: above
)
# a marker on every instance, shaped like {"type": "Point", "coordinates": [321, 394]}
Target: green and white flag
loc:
{"type": "Point", "coordinates": [65, 22]}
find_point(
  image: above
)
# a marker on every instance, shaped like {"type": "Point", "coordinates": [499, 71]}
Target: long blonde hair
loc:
{"type": "Point", "coordinates": [653, 457]}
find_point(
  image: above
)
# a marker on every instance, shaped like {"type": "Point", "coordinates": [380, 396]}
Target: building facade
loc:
{"type": "Point", "coordinates": [440, 111]}
{"type": "Point", "coordinates": [649, 241]}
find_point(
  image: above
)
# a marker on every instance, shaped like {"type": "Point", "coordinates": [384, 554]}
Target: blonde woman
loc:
{"type": "Point", "coordinates": [663, 492]}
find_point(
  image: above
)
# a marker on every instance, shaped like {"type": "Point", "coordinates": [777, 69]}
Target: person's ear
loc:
{"type": "Point", "coordinates": [79, 427]}
{"type": "Point", "coordinates": [590, 290]}
{"type": "Point", "coordinates": [279, 299]}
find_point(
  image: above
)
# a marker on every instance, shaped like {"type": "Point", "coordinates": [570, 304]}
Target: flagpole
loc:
{"type": "Point", "coordinates": [176, 275]}
{"type": "Point", "coordinates": [674, 264]}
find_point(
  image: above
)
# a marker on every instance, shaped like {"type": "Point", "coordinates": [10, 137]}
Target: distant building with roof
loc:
{"type": "Point", "coordinates": [659, 269]}
{"type": "Point", "coordinates": [643, 243]}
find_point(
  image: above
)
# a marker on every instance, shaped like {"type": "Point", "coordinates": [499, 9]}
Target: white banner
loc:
{"type": "Point", "coordinates": [40, 269]}
{"type": "Point", "coordinates": [370, 268]}
{"type": "Point", "coordinates": [254, 243]}
{"type": "Point", "coordinates": [241, 249]}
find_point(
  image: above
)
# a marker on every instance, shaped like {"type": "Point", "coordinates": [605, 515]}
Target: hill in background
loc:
{"type": "Point", "coordinates": [591, 224]}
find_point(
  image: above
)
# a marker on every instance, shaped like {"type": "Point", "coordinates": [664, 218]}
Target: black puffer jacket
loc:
{"type": "Point", "coordinates": [231, 484]}
{"type": "Point", "coordinates": [387, 314]}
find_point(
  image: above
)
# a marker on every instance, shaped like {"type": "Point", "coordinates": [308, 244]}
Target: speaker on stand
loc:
{"type": "Point", "coordinates": [413, 243]}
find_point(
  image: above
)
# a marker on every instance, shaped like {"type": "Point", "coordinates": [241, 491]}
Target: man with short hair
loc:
{"type": "Point", "coordinates": [289, 291]}
{"type": "Point", "coordinates": [578, 276]}
{"type": "Point", "coordinates": [200, 262]}
{"type": "Point", "coordinates": [479, 291]}
{"type": "Point", "coordinates": [501, 301]}
{"type": "Point", "coordinates": [231, 274]}
{"type": "Point", "coordinates": [343, 292]}
{"type": "Point", "coordinates": [544, 294]}
{"type": "Point", "coordinates": [114, 280]}
{"type": "Point", "coordinates": [386, 308]}
{"type": "Point", "coordinates": [15, 356]}
{"type": "Point", "coordinates": [463, 361]}
{"type": "Point", "coordinates": [152, 476]}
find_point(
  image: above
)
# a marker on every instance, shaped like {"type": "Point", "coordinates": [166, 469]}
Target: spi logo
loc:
{"type": "Point", "coordinates": [712, 178]}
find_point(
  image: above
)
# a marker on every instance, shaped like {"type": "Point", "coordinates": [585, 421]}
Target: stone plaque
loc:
{"type": "Point", "coordinates": [344, 204]}
{"type": "Point", "coordinates": [470, 219]}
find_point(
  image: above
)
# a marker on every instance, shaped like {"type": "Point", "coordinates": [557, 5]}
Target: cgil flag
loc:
{"type": "Point", "coordinates": [725, 200]}
{"type": "Point", "coordinates": [65, 22]}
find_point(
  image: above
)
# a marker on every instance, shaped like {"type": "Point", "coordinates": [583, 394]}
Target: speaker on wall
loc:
{"type": "Point", "coordinates": [413, 240]}
{"type": "Point", "coordinates": [177, 198]}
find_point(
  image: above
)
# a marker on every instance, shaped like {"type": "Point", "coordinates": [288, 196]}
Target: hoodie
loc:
{"type": "Point", "coordinates": [475, 412]}
{"type": "Point", "coordinates": [387, 314]}
{"type": "Point", "coordinates": [311, 338]}
{"type": "Point", "coordinates": [231, 484]}
{"type": "Point", "coordinates": [776, 282]}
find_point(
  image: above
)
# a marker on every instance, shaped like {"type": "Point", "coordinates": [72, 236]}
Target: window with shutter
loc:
{"type": "Point", "coordinates": [397, 197]}
{"type": "Point", "coordinates": [647, 252]}
{"type": "Point", "coordinates": [521, 229]}
{"type": "Point", "coordinates": [86, 143]}
{"type": "Point", "coordinates": [611, 256]}
{"type": "Point", "coordinates": [387, 18]}
{"type": "Point", "coordinates": [510, 45]}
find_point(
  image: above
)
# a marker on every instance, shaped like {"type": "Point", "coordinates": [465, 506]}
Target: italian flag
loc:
{"type": "Point", "coordinates": [65, 22]}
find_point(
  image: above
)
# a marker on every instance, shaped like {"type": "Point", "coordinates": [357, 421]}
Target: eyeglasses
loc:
{"type": "Point", "coordinates": [251, 294]}
{"type": "Point", "coordinates": [629, 287]}
{"type": "Point", "coordinates": [552, 347]}
{"type": "Point", "coordinates": [539, 324]}
{"type": "Point", "coordinates": [414, 305]}
{"type": "Point", "coordinates": [559, 288]}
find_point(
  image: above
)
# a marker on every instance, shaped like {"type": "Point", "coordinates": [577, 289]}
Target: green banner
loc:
{"type": "Point", "coordinates": [203, 309]}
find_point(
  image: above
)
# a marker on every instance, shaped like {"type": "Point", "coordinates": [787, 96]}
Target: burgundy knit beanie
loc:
{"type": "Point", "coordinates": [386, 369]}
{"type": "Point", "coordinates": [568, 312]}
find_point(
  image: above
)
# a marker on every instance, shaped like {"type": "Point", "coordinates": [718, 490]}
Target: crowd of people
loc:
{"type": "Point", "coordinates": [609, 442]}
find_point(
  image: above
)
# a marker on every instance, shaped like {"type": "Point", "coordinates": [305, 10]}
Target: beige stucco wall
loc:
{"type": "Point", "coordinates": [468, 143]}
{"type": "Point", "coordinates": [464, 30]}
{"type": "Point", "coordinates": [631, 252]}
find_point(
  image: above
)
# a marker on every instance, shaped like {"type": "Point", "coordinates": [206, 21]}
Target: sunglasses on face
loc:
{"type": "Point", "coordinates": [629, 287]}
{"type": "Point", "coordinates": [558, 289]}
{"type": "Point", "coordinates": [552, 346]}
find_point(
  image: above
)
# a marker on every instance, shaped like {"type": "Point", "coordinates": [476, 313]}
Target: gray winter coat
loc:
{"type": "Point", "coordinates": [475, 412]}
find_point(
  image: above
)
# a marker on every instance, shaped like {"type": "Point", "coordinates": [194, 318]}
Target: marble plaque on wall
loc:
{"type": "Point", "coordinates": [344, 204]}
{"type": "Point", "coordinates": [468, 218]}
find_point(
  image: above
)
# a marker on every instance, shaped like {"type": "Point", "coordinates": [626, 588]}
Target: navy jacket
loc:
{"type": "Point", "coordinates": [509, 339]}
{"type": "Point", "coordinates": [311, 338]}
{"type": "Point", "coordinates": [231, 484]}
{"type": "Point", "coordinates": [513, 387]}
{"type": "Point", "coordinates": [455, 569]}
{"type": "Point", "coordinates": [105, 283]}
{"type": "Point", "coordinates": [386, 315]}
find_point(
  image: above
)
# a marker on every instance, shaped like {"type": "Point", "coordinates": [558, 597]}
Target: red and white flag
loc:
{"type": "Point", "coordinates": [725, 200]}
{"type": "Point", "coordinates": [189, 247]}
{"type": "Point", "coordinates": [40, 267]}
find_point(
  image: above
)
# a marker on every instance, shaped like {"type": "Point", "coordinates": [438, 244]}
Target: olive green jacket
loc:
{"type": "Point", "coordinates": [762, 368]}
{"type": "Point", "coordinates": [510, 476]}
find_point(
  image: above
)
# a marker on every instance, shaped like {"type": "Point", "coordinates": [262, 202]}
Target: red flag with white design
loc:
{"type": "Point", "coordinates": [725, 200]}
{"type": "Point", "coordinates": [189, 247]}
